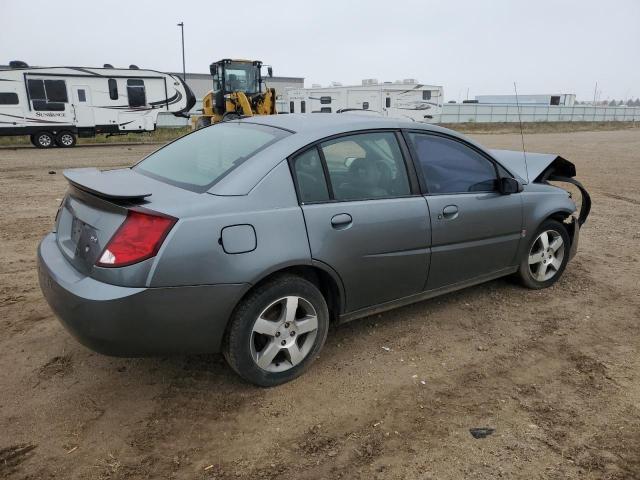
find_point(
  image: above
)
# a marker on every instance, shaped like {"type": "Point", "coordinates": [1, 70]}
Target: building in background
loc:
{"type": "Point", "coordinates": [559, 99]}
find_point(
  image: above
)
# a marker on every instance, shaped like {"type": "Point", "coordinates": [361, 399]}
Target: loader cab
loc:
{"type": "Point", "coordinates": [237, 76]}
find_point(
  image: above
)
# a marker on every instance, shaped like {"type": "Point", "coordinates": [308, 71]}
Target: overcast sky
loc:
{"type": "Point", "coordinates": [546, 46]}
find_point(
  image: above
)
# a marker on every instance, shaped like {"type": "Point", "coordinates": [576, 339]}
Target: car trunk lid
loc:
{"type": "Point", "coordinates": [96, 205]}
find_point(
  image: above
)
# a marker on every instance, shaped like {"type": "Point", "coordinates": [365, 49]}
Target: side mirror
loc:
{"type": "Point", "coordinates": [213, 68]}
{"type": "Point", "coordinates": [509, 185]}
{"type": "Point", "coordinates": [270, 71]}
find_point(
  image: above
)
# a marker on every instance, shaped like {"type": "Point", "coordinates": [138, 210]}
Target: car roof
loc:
{"type": "Point", "coordinates": [323, 122]}
{"type": "Point", "coordinates": [305, 129]}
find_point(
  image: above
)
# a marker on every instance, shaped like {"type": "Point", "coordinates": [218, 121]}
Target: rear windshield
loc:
{"type": "Point", "coordinates": [197, 161]}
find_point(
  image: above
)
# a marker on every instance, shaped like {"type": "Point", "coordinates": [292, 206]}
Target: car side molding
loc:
{"type": "Point", "coordinates": [426, 295]}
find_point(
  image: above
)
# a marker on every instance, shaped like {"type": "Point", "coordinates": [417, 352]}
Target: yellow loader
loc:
{"type": "Point", "coordinates": [237, 92]}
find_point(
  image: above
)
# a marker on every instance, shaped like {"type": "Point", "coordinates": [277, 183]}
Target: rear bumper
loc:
{"type": "Point", "coordinates": [124, 321]}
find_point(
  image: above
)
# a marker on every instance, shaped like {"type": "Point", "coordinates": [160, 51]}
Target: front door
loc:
{"type": "Point", "coordinates": [366, 222]}
{"type": "Point", "coordinates": [475, 229]}
{"type": "Point", "coordinates": [82, 106]}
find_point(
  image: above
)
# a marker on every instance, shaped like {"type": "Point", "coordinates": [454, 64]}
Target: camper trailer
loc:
{"type": "Point", "coordinates": [406, 99]}
{"type": "Point", "coordinates": [58, 104]}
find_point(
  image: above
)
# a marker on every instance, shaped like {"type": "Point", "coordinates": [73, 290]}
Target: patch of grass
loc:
{"type": "Point", "coordinates": [160, 135]}
{"type": "Point", "coordinates": [164, 135]}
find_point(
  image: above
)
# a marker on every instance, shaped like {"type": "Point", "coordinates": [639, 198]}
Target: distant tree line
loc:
{"type": "Point", "coordinates": [614, 103]}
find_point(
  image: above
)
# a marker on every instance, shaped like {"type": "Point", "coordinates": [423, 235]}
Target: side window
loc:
{"type": "Point", "coordinates": [310, 177]}
{"type": "Point", "coordinates": [292, 107]}
{"type": "Point", "coordinates": [366, 166]}
{"type": "Point", "coordinates": [82, 95]}
{"type": "Point", "coordinates": [113, 89]}
{"type": "Point", "coordinates": [56, 91]}
{"type": "Point", "coordinates": [426, 94]}
{"type": "Point", "coordinates": [387, 102]}
{"type": "Point", "coordinates": [303, 106]}
{"type": "Point", "coordinates": [36, 90]}
{"type": "Point", "coordinates": [325, 100]}
{"type": "Point", "coordinates": [44, 106]}
{"type": "Point", "coordinates": [8, 98]}
{"type": "Point", "coordinates": [365, 105]}
{"type": "Point", "coordinates": [48, 95]}
{"type": "Point", "coordinates": [136, 93]}
{"type": "Point", "coordinates": [449, 166]}
{"type": "Point", "coordinates": [325, 110]}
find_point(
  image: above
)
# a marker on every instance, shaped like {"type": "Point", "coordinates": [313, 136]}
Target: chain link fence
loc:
{"type": "Point", "coordinates": [488, 113]}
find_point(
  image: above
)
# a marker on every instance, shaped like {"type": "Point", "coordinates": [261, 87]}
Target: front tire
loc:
{"type": "Point", "coordinates": [65, 139]}
{"type": "Point", "coordinates": [42, 140]}
{"type": "Point", "coordinates": [546, 256]}
{"type": "Point", "coordinates": [277, 331]}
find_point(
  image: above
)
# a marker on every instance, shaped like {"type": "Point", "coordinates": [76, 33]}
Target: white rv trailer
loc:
{"type": "Point", "coordinates": [406, 99]}
{"type": "Point", "coordinates": [55, 105]}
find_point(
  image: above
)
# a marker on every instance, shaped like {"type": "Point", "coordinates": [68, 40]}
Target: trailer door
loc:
{"type": "Point", "coordinates": [82, 106]}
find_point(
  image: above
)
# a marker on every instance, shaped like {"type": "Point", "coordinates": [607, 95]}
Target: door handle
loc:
{"type": "Point", "coordinates": [340, 221]}
{"type": "Point", "coordinates": [449, 212]}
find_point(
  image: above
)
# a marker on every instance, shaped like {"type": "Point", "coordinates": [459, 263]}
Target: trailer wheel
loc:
{"type": "Point", "coordinates": [65, 139]}
{"type": "Point", "coordinates": [203, 122]}
{"type": "Point", "coordinates": [227, 117]}
{"type": "Point", "coordinates": [42, 140]}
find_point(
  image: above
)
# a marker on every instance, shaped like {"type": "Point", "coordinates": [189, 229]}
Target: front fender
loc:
{"type": "Point", "coordinates": [541, 202]}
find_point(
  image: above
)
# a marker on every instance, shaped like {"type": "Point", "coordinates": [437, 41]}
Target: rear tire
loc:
{"type": "Point", "coordinates": [277, 331]}
{"type": "Point", "coordinates": [65, 139]}
{"type": "Point", "coordinates": [546, 256]}
{"type": "Point", "coordinates": [43, 140]}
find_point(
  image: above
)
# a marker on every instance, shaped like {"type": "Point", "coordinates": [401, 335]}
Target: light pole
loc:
{"type": "Point", "coordinates": [184, 72]}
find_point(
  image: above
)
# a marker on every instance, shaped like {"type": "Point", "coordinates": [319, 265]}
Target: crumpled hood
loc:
{"type": "Point", "coordinates": [537, 164]}
{"type": "Point", "coordinates": [543, 167]}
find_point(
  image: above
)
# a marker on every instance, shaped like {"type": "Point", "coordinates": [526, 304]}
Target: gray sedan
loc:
{"type": "Point", "coordinates": [250, 237]}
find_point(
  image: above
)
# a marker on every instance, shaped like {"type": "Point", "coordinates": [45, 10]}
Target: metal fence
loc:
{"type": "Point", "coordinates": [488, 113]}
{"type": "Point", "coordinates": [491, 113]}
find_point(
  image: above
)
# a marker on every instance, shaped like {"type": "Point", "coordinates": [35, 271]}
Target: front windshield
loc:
{"type": "Point", "coordinates": [241, 77]}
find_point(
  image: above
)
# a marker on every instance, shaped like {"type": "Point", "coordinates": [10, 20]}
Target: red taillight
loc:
{"type": "Point", "coordinates": [138, 238]}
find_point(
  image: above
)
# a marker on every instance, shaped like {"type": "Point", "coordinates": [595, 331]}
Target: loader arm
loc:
{"type": "Point", "coordinates": [243, 106]}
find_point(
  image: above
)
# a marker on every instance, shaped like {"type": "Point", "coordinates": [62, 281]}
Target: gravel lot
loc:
{"type": "Point", "coordinates": [556, 373]}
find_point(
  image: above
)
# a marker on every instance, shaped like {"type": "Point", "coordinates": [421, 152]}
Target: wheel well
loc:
{"type": "Point", "coordinates": [321, 279]}
{"type": "Point", "coordinates": [561, 216]}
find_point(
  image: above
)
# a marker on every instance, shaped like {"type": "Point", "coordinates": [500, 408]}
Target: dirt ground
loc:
{"type": "Point", "coordinates": [556, 373]}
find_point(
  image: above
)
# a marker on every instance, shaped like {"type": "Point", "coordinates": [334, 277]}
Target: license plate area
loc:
{"type": "Point", "coordinates": [85, 238]}
{"type": "Point", "coordinates": [77, 226]}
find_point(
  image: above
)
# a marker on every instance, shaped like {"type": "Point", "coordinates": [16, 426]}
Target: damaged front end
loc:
{"type": "Point", "coordinates": [545, 168]}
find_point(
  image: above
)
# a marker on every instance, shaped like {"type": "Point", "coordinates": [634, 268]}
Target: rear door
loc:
{"type": "Point", "coordinates": [475, 229]}
{"type": "Point", "coordinates": [364, 216]}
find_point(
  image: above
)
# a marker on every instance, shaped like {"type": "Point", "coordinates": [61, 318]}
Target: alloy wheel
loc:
{"type": "Point", "coordinates": [66, 139]}
{"type": "Point", "coordinates": [45, 140]}
{"type": "Point", "coordinates": [546, 255]}
{"type": "Point", "coordinates": [284, 334]}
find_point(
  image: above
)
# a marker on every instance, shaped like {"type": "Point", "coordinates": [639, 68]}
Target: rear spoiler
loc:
{"type": "Point", "coordinates": [120, 184]}
{"type": "Point", "coordinates": [542, 168]}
